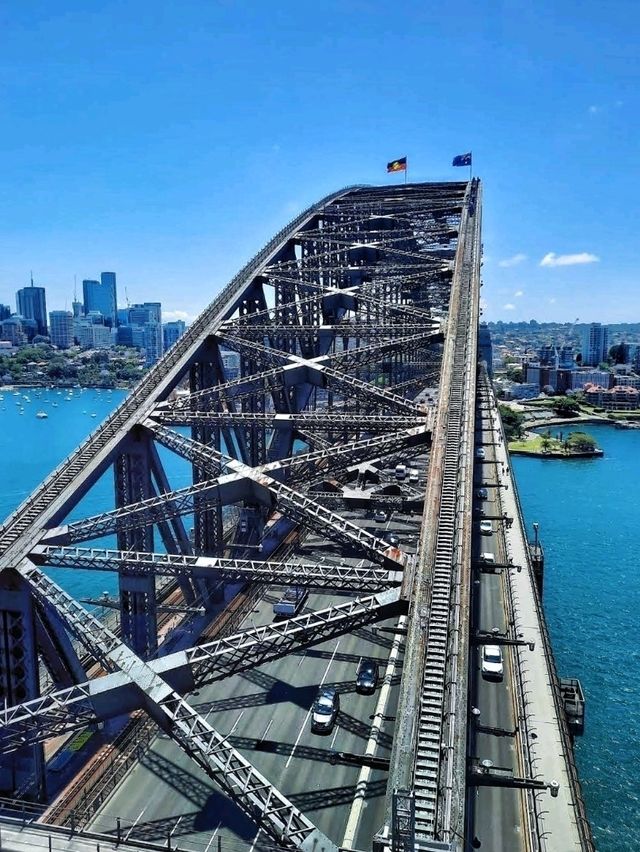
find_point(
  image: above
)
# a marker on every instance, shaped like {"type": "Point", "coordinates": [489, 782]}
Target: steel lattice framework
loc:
{"type": "Point", "coordinates": [301, 376]}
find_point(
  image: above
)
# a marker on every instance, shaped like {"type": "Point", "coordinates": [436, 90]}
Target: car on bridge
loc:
{"type": "Point", "coordinates": [325, 710]}
{"type": "Point", "coordinates": [482, 494]}
{"type": "Point", "coordinates": [367, 676]}
{"type": "Point", "coordinates": [391, 538]}
{"type": "Point", "coordinates": [488, 558]}
{"type": "Point", "coordinates": [486, 527]}
{"type": "Point", "coordinates": [492, 665]}
{"type": "Point", "coordinates": [480, 453]}
{"type": "Point", "coordinates": [380, 516]}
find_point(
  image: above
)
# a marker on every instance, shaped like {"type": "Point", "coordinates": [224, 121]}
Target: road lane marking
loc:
{"type": "Point", "coordinates": [306, 718]}
{"type": "Point", "coordinates": [355, 814]}
{"type": "Point", "coordinates": [266, 731]}
{"type": "Point", "coordinates": [333, 739]}
{"type": "Point", "coordinates": [134, 823]}
{"type": "Point", "coordinates": [255, 840]}
{"type": "Point", "coordinates": [235, 724]}
{"type": "Point", "coordinates": [213, 837]}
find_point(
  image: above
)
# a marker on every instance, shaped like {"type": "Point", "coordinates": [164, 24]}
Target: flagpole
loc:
{"type": "Point", "coordinates": [470, 164]}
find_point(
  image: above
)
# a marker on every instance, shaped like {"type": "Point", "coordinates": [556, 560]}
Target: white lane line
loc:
{"type": "Point", "coordinates": [306, 718]}
{"type": "Point", "coordinates": [355, 814]}
{"type": "Point", "coordinates": [175, 826]}
{"type": "Point", "coordinates": [213, 837]}
{"type": "Point", "coordinates": [266, 730]}
{"type": "Point", "coordinates": [255, 840]}
{"type": "Point", "coordinates": [134, 823]}
{"type": "Point", "coordinates": [333, 738]}
{"type": "Point", "coordinates": [302, 656]}
{"type": "Point", "coordinates": [235, 724]}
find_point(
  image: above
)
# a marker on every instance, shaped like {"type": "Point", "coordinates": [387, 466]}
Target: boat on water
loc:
{"type": "Point", "coordinates": [41, 415]}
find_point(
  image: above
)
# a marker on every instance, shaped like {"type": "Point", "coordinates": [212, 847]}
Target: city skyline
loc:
{"type": "Point", "coordinates": [176, 154]}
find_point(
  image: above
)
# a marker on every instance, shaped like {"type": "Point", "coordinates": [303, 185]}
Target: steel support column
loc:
{"type": "Point", "coordinates": [137, 594]}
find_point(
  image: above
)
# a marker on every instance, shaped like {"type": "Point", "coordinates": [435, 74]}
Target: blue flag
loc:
{"type": "Point", "coordinates": [462, 160]}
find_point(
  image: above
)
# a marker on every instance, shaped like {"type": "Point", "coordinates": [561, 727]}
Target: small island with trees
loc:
{"type": "Point", "coordinates": [545, 445]}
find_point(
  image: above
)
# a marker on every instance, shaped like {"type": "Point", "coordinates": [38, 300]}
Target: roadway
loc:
{"type": "Point", "coordinates": [265, 713]}
{"type": "Point", "coordinates": [496, 812]}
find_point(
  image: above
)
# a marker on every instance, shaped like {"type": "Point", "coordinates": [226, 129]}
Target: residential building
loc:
{"type": "Point", "coordinates": [612, 399]}
{"type": "Point", "coordinates": [61, 328]}
{"type": "Point", "coordinates": [581, 378]}
{"type": "Point", "coordinates": [91, 336]}
{"type": "Point", "coordinates": [101, 296]}
{"type": "Point", "coordinates": [595, 344]}
{"type": "Point", "coordinates": [626, 381]}
{"type": "Point", "coordinates": [172, 332]}
{"type": "Point", "coordinates": [32, 304]}
{"type": "Point", "coordinates": [11, 329]}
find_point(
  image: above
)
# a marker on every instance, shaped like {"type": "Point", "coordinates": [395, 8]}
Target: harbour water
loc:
{"type": "Point", "coordinates": [588, 511]}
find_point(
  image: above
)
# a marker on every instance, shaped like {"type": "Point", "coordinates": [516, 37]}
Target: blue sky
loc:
{"type": "Point", "coordinates": [168, 141]}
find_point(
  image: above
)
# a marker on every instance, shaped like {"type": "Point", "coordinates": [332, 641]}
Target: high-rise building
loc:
{"type": "Point", "coordinates": [101, 296]}
{"type": "Point", "coordinates": [172, 332]}
{"type": "Point", "coordinates": [61, 328]}
{"type": "Point", "coordinates": [5, 312]}
{"type": "Point", "coordinates": [77, 308]}
{"type": "Point", "coordinates": [595, 344]}
{"type": "Point", "coordinates": [32, 304]}
{"type": "Point", "coordinates": [146, 312]}
{"type": "Point", "coordinates": [152, 342]}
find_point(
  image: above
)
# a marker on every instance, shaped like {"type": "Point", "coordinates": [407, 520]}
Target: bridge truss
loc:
{"type": "Point", "coordinates": [304, 377]}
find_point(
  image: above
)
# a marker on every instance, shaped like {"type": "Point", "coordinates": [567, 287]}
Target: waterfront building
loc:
{"type": "Point", "coordinates": [101, 296]}
{"type": "Point", "coordinates": [595, 344]}
{"type": "Point", "coordinates": [172, 332]}
{"type": "Point", "coordinates": [31, 304]}
{"type": "Point", "coordinates": [612, 399]}
{"type": "Point", "coordinates": [61, 328]}
{"type": "Point", "coordinates": [5, 312]}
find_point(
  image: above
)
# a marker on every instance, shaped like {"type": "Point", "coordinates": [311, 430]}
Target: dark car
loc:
{"type": "Point", "coordinates": [391, 538]}
{"type": "Point", "coordinates": [325, 710]}
{"type": "Point", "coordinates": [367, 676]}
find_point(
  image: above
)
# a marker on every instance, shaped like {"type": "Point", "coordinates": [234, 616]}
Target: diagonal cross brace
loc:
{"type": "Point", "coordinates": [194, 735]}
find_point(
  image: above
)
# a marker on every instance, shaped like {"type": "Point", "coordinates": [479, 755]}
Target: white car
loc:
{"type": "Point", "coordinates": [480, 453]}
{"type": "Point", "coordinates": [489, 558]}
{"type": "Point", "coordinates": [486, 527]}
{"type": "Point", "coordinates": [380, 516]}
{"type": "Point", "coordinates": [492, 666]}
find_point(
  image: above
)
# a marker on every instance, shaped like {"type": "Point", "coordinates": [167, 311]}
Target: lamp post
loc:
{"type": "Point", "coordinates": [535, 532]}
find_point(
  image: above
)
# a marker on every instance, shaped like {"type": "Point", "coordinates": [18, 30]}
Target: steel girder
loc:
{"type": "Point", "coordinates": [184, 671]}
{"type": "Point", "coordinates": [195, 736]}
{"type": "Point", "coordinates": [318, 575]}
{"type": "Point", "coordinates": [355, 270]}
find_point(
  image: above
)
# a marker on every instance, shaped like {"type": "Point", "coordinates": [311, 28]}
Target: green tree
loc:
{"type": "Point", "coordinates": [513, 422]}
{"type": "Point", "coordinates": [581, 442]}
{"type": "Point", "coordinates": [565, 407]}
{"type": "Point", "coordinates": [545, 443]}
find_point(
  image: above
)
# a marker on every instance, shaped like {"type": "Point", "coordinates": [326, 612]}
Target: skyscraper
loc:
{"type": "Point", "coordinates": [172, 332]}
{"type": "Point", "coordinates": [31, 304]}
{"type": "Point", "coordinates": [61, 328]}
{"type": "Point", "coordinates": [101, 296]}
{"type": "Point", "coordinates": [595, 344]}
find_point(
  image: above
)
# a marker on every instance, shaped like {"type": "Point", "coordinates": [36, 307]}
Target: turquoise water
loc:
{"type": "Point", "coordinates": [588, 511]}
{"type": "Point", "coordinates": [589, 514]}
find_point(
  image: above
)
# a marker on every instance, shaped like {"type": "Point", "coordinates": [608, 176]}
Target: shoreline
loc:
{"type": "Point", "coordinates": [586, 454]}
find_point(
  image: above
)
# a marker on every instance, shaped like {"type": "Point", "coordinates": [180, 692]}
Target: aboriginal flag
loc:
{"type": "Point", "coordinates": [397, 165]}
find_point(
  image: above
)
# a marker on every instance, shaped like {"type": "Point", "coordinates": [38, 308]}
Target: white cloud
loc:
{"type": "Point", "coordinates": [553, 259]}
{"type": "Point", "coordinates": [518, 293]}
{"type": "Point", "coordinates": [170, 316]}
{"type": "Point", "coordinates": [509, 307]}
{"type": "Point", "coordinates": [512, 261]}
